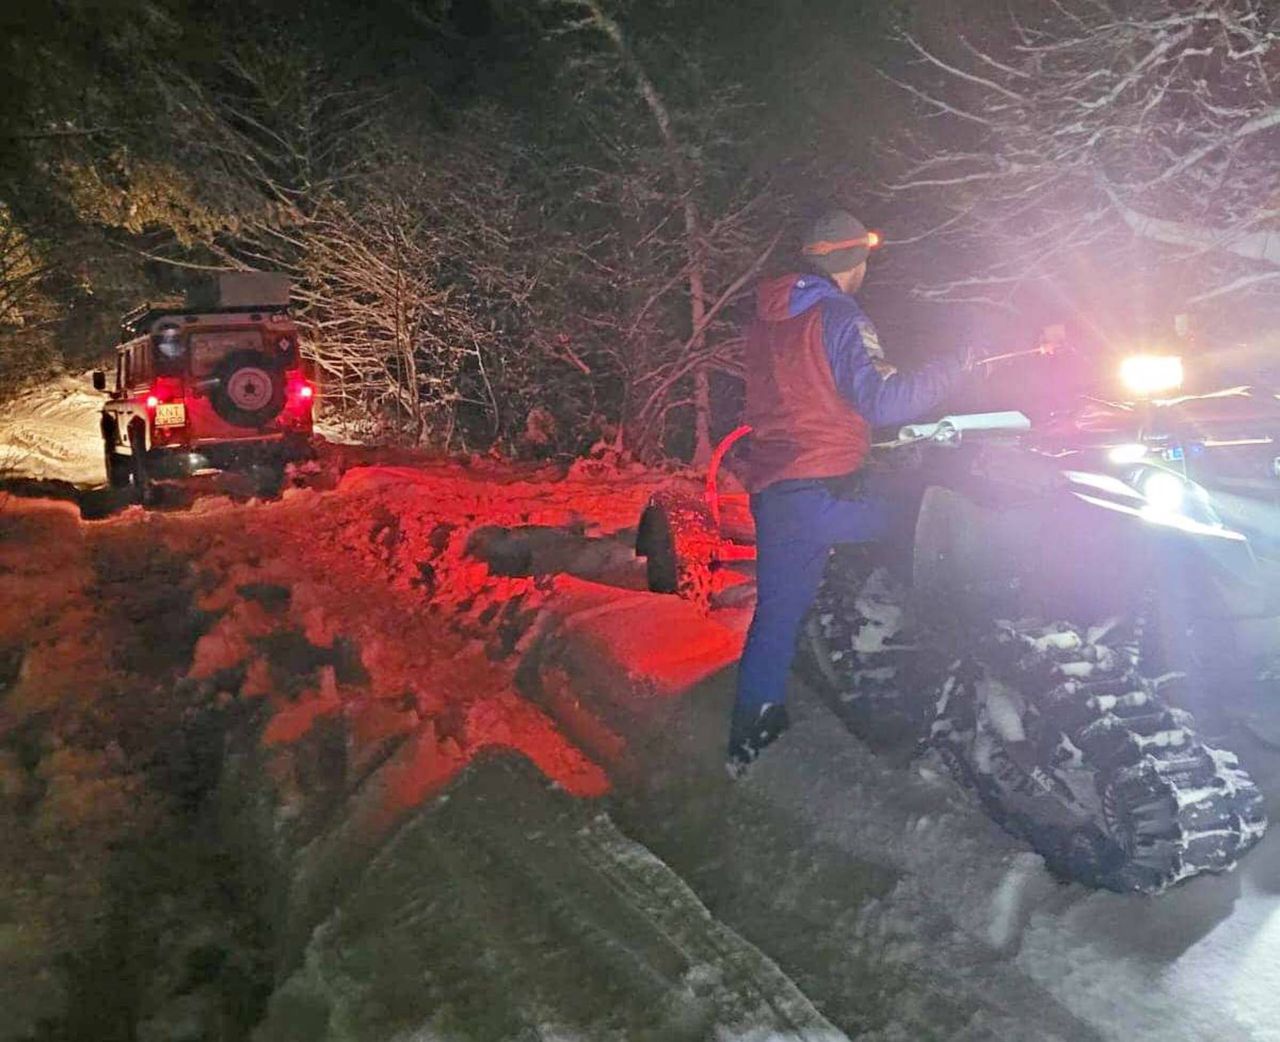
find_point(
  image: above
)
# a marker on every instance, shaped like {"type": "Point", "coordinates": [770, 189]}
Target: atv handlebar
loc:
{"type": "Point", "coordinates": [949, 429]}
{"type": "Point", "coordinates": [1043, 349]}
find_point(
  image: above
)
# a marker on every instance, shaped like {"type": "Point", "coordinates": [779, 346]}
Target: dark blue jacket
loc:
{"type": "Point", "coordinates": [852, 344]}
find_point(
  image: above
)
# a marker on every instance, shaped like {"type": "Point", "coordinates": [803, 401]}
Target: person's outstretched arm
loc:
{"type": "Point", "coordinates": [883, 401]}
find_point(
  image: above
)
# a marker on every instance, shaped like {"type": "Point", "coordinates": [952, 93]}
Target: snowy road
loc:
{"type": "Point", "coordinates": [1198, 963]}
{"type": "Point", "coordinates": [493, 800]}
{"type": "Point", "coordinates": [52, 432]}
{"type": "Point", "coordinates": [964, 931]}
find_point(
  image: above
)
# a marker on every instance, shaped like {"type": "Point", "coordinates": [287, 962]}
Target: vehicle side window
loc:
{"type": "Point", "coordinates": [137, 365]}
{"type": "Point", "coordinates": [142, 360]}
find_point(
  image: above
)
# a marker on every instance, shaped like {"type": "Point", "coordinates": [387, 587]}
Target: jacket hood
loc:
{"type": "Point", "coordinates": [787, 296]}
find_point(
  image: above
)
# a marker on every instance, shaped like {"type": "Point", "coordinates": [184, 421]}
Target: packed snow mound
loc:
{"type": "Point", "coordinates": [51, 431]}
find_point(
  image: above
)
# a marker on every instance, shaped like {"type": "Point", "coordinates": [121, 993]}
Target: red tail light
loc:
{"type": "Point", "coordinates": [299, 389]}
{"type": "Point", "coordinates": [165, 389]}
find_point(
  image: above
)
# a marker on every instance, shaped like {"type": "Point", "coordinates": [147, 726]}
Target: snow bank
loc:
{"type": "Point", "coordinates": [52, 431]}
{"type": "Point", "coordinates": [444, 871]}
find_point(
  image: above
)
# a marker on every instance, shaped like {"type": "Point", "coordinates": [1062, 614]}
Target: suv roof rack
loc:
{"type": "Point", "coordinates": [136, 322]}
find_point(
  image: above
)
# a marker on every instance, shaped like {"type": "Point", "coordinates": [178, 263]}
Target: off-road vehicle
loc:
{"type": "Point", "coordinates": [214, 382]}
{"type": "Point", "coordinates": [1070, 590]}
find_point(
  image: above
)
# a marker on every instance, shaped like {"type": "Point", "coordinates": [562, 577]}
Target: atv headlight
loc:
{"type": "Point", "coordinates": [1127, 453]}
{"type": "Point", "coordinates": [1177, 502]}
{"type": "Point", "coordinates": [1146, 375]}
{"type": "Point", "coordinates": [1157, 496]}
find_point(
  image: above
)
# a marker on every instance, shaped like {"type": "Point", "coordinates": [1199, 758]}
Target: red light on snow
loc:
{"type": "Point", "coordinates": [152, 401]}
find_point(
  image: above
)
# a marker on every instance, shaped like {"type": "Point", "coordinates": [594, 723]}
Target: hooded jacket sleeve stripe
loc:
{"type": "Point", "coordinates": [882, 401]}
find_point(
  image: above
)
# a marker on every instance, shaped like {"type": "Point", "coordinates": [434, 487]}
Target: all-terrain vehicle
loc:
{"type": "Point", "coordinates": [215, 382]}
{"type": "Point", "coordinates": [1070, 592]}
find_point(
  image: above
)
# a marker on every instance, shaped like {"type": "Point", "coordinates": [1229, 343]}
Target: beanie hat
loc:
{"type": "Point", "coordinates": [837, 241]}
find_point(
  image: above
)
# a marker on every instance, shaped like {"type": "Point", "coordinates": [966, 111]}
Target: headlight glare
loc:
{"type": "Point", "coordinates": [1165, 492]}
{"type": "Point", "coordinates": [1128, 453]}
{"type": "Point", "coordinates": [1147, 375]}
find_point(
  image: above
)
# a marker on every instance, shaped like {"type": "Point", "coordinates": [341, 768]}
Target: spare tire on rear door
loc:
{"type": "Point", "coordinates": [250, 389]}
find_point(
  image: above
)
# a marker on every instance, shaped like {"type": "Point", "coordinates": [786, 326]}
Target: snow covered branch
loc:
{"type": "Point", "coordinates": [1108, 123]}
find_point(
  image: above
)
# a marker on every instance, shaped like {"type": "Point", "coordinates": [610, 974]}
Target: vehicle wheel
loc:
{"type": "Point", "coordinates": [139, 472]}
{"type": "Point", "coordinates": [679, 540]}
{"type": "Point", "coordinates": [250, 389]}
{"type": "Point", "coordinates": [117, 467]}
{"type": "Point", "coordinates": [1070, 749]}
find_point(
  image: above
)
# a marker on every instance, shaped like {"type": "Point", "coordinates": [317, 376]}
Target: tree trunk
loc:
{"type": "Point", "coordinates": [697, 316]}
{"type": "Point", "coordinates": [404, 343]}
{"type": "Point", "coordinates": [692, 220]}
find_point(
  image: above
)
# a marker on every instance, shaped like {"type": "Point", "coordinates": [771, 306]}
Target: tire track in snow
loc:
{"type": "Point", "coordinates": [508, 910]}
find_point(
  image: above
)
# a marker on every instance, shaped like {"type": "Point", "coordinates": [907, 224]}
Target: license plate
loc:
{"type": "Point", "coordinates": [171, 414]}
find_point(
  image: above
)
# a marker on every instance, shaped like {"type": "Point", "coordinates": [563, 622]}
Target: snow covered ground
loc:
{"type": "Point", "coordinates": [469, 771]}
{"type": "Point", "coordinates": [1199, 962]}
{"type": "Point", "coordinates": [52, 432]}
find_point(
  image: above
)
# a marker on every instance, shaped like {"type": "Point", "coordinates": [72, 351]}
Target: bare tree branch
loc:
{"type": "Point", "coordinates": [1155, 122]}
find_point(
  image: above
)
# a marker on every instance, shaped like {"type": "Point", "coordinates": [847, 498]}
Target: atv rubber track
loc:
{"type": "Point", "coordinates": [1152, 804]}
{"type": "Point", "coordinates": [1066, 745]}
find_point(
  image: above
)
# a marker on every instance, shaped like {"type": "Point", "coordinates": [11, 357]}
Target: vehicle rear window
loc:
{"type": "Point", "coordinates": [209, 349]}
{"type": "Point", "coordinates": [169, 351]}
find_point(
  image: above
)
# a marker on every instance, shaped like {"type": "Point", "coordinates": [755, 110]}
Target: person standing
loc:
{"type": "Point", "coordinates": [817, 384]}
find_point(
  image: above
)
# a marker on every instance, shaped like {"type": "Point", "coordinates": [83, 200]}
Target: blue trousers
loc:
{"type": "Point", "coordinates": [797, 524]}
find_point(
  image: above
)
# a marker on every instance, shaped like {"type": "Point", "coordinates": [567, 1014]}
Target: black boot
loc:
{"type": "Point", "coordinates": [748, 738]}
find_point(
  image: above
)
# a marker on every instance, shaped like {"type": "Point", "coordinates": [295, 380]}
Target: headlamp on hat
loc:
{"type": "Point", "coordinates": [870, 241]}
{"type": "Point", "coordinates": [837, 241]}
